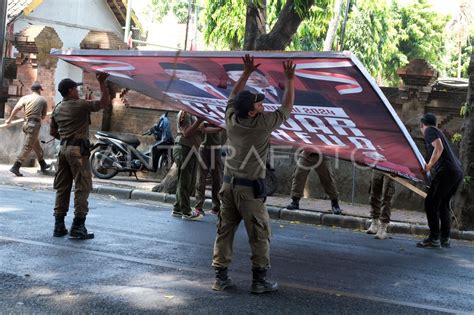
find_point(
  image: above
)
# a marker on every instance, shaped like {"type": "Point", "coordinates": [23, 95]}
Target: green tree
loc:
{"type": "Point", "coordinates": [266, 24]}
{"type": "Point", "coordinates": [459, 59]}
{"type": "Point", "coordinates": [371, 34]}
{"type": "Point", "coordinates": [422, 33]}
{"type": "Point", "coordinates": [383, 36]}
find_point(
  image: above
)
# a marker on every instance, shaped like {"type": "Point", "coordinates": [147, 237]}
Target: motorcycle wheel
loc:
{"type": "Point", "coordinates": [164, 163]}
{"type": "Point", "coordinates": [271, 182]}
{"type": "Point", "coordinates": [97, 167]}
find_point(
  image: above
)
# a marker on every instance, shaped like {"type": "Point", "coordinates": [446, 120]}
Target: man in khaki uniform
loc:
{"type": "Point", "coordinates": [210, 162]}
{"type": "Point", "coordinates": [321, 164]}
{"type": "Point", "coordinates": [34, 107]}
{"type": "Point", "coordinates": [70, 123]}
{"type": "Point", "coordinates": [185, 153]}
{"type": "Point", "coordinates": [242, 194]}
{"type": "Point", "coordinates": [382, 189]}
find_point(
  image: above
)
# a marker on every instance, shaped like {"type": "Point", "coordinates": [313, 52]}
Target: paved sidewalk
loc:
{"type": "Point", "coordinates": [313, 211]}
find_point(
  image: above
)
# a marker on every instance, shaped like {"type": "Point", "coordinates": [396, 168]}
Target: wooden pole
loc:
{"type": "Point", "coordinates": [408, 185]}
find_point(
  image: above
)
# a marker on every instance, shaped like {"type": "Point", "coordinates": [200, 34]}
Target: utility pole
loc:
{"type": "Point", "coordinates": [343, 28]}
{"type": "Point", "coordinates": [3, 24]}
{"type": "Point", "coordinates": [126, 35]}
{"type": "Point", "coordinates": [190, 4]}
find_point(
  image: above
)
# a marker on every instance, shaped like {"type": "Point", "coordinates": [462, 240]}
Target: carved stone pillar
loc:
{"type": "Point", "coordinates": [34, 63]}
{"type": "Point", "coordinates": [417, 77]}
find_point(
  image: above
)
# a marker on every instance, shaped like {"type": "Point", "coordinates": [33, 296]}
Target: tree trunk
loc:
{"type": "Point", "coordinates": [169, 183]}
{"type": "Point", "coordinates": [464, 201]}
{"type": "Point", "coordinates": [331, 34]}
{"type": "Point", "coordinates": [255, 22]}
{"type": "Point", "coordinates": [285, 27]}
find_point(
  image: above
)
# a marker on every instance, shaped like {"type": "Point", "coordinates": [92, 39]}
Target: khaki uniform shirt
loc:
{"type": "Point", "coordinates": [183, 121]}
{"type": "Point", "coordinates": [34, 105]}
{"type": "Point", "coordinates": [248, 140]}
{"type": "Point", "coordinates": [214, 139]}
{"type": "Point", "coordinates": [73, 117]}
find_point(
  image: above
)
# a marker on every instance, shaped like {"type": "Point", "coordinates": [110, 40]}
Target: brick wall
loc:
{"type": "Point", "coordinates": [26, 73]}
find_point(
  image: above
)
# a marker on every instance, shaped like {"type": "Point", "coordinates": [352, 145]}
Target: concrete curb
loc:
{"type": "Point", "coordinates": [278, 213]}
{"type": "Point", "coordinates": [123, 193]}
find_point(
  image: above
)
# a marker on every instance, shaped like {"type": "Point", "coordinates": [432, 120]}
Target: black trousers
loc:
{"type": "Point", "coordinates": [443, 187]}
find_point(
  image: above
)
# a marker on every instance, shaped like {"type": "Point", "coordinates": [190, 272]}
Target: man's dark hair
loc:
{"type": "Point", "coordinates": [244, 102]}
{"type": "Point", "coordinates": [429, 119]}
{"type": "Point", "coordinates": [36, 87]}
{"type": "Point", "coordinates": [65, 85]}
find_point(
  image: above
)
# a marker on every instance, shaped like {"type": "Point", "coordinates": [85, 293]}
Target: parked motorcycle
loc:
{"type": "Point", "coordinates": [113, 153]}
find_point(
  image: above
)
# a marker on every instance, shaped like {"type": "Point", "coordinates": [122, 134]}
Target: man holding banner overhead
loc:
{"type": "Point", "coordinates": [242, 194]}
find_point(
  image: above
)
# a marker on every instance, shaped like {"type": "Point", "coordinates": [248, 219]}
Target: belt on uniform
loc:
{"type": "Point", "coordinates": [33, 119]}
{"type": "Point", "coordinates": [73, 142]}
{"type": "Point", "coordinates": [238, 181]}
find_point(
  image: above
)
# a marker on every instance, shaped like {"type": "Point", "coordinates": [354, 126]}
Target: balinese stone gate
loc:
{"type": "Point", "coordinates": [464, 201]}
{"type": "Point", "coordinates": [33, 64]}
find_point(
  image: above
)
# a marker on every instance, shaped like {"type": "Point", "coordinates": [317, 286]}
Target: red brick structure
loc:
{"type": "Point", "coordinates": [34, 62]}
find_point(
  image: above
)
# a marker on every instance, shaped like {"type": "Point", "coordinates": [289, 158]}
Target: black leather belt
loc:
{"type": "Point", "coordinates": [238, 181]}
{"type": "Point", "coordinates": [73, 142]}
{"type": "Point", "coordinates": [33, 119]}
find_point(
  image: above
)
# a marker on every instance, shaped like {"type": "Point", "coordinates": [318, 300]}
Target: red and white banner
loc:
{"type": "Point", "coordinates": [339, 110]}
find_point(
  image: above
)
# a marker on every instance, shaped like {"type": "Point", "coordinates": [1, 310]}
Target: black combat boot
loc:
{"type": "Point", "coordinates": [335, 207]}
{"type": "Point", "coordinates": [16, 169]}
{"type": "Point", "coordinates": [43, 165]}
{"type": "Point", "coordinates": [222, 281]}
{"type": "Point", "coordinates": [59, 227]}
{"type": "Point", "coordinates": [260, 283]}
{"type": "Point", "coordinates": [79, 231]}
{"type": "Point", "coordinates": [294, 205]}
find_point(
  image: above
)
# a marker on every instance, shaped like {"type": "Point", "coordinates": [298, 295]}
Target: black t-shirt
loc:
{"type": "Point", "coordinates": [448, 160]}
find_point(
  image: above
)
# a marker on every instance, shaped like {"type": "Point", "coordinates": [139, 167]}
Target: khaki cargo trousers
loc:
{"type": "Point", "coordinates": [72, 168]}
{"type": "Point", "coordinates": [31, 130]}
{"type": "Point", "coordinates": [210, 161]}
{"type": "Point", "coordinates": [382, 189]}
{"type": "Point", "coordinates": [322, 165]}
{"type": "Point", "coordinates": [185, 159]}
{"type": "Point", "coordinates": [238, 203]}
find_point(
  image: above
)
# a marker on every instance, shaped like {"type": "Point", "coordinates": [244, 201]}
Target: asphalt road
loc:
{"type": "Point", "coordinates": [142, 260]}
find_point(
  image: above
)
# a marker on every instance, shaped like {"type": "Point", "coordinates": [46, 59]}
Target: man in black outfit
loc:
{"type": "Point", "coordinates": [448, 175]}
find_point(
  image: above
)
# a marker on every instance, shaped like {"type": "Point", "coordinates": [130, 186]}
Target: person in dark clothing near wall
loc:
{"type": "Point", "coordinates": [448, 175]}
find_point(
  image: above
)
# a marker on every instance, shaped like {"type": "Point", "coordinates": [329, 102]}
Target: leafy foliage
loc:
{"type": "Point", "coordinates": [465, 110]}
{"type": "Point", "coordinates": [466, 49]}
{"type": "Point", "coordinates": [312, 31]}
{"type": "Point", "coordinates": [381, 33]}
{"type": "Point", "coordinates": [371, 35]}
{"type": "Point", "coordinates": [422, 33]}
{"type": "Point", "coordinates": [224, 23]}
{"type": "Point", "coordinates": [456, 138]}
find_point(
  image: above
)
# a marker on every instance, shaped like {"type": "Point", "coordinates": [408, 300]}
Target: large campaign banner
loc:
{"type": "Point", "coordinates": [339, 110]}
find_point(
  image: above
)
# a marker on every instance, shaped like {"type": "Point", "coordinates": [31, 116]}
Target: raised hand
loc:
{"type": "Point", "coordinates": [101, 76]}
{"type": "Point", "coordinates": [249, 63]}
{"type": "Point", "coordinates": [289, 69]}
